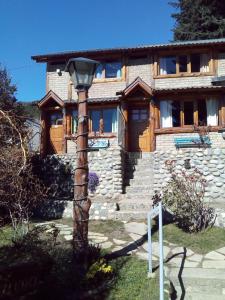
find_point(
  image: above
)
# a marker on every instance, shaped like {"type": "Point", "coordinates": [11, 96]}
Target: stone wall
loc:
{"type": "Point", "coordinates": [195, 81]}
{"type": "Point", "coordinates": [106, 163]}
{"type": "Point", "coordinates": [211, 162]}
{"type": "Point", "coordinates": [165, 142]}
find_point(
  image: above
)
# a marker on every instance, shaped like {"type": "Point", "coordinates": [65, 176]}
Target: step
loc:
{"type": "Point", "coordinates": [142, 173]}
{"type": "Point", "coordinates": [142, 181]}
{"type": "Point", "coordinates": [201, 289]}
{"type": "Point", "coordinates": [139, 190]}
{"type": "Point", "coordinates": [205, 296]}
{"type": "Point", "coordinates": [140, 162]}
{"type": "Point", "coordinates": [137, 177]}
{"type": "Point", "coordinates": [136, 205]}
{"type": "Point", "coordinates": [139, 197]}
{"type": "Point", "coordinates": [126, 215]}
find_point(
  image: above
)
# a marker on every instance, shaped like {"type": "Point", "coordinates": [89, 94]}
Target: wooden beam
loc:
{"type": "Point", "coordinates": [68, 122]}
{"type": "Point", "coordinates": [157, 116]}
{"type": "Point", "coordinates": [222, 109]}
{"type": "Point", "coordinates": [43, 140]}
{"type": "Point", "coordinates": [125, 113]}
{"type": "Point", "coordinates": [152, 126]}
{"type": "Point", "coordinates": [64, 131]}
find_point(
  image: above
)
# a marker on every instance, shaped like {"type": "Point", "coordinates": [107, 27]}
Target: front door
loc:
{"type": "Point", "coordinates": [139, 133]}
{"type": "Point", "coordinates": [55, 133]}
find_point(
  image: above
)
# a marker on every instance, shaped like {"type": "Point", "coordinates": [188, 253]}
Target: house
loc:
{"type": "Point", "coordinates": [142, 99]}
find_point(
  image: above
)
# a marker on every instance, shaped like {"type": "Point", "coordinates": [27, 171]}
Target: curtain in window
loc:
{"type": "Point", "coordinates": [114, 121]}
{"type": "Point", "coordinates": [166, 114]}
{"type": "Point", "coordinates": [212, 112]}
{"type": "Point", "coordinates": [74, 121]}
{"type": "Point", "coordinates": [204, 63]}
{"type": "Point", "coordinates": [162, 65]}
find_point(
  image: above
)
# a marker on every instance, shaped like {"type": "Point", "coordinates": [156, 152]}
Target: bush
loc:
{"type": "Point", "coordinates": [183, 197]}
{"type": "Point", "coordinates": [93, 181]}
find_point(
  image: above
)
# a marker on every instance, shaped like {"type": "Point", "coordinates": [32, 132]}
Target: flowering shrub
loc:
{"type": "Point", "coordinates": [183, 196]}
{"type": "Point", "coordinates": [93, 181]}
{"type": "Point", "coordinates": [99, 267]}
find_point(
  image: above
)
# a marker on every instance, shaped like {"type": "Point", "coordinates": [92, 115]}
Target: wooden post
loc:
{"type": "Point", "coordinates": [152, 126]}
{"type": "Point", "coordinates": [81, 202]}
{"type": "Point", "coordinates": [157, 121]}
{"type": "Point", "coordinates": [222, 121]}
{"type": "Point", "coordinates": [64, 130]}
{"type": "Point", "coordinates": [125, 113]}
{"type": "Point", "coordinates": [43, 144]}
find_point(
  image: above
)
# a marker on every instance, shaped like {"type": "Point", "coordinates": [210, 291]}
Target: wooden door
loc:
{"type": "Point", "coordinates": [55, 133]}
{"type": "Point", "coordinates": [139, 133]}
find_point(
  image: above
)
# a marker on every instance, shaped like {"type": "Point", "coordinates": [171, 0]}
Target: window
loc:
{"type": "Point", "coordinates": [182, 113]}
{"type": "Point", "coordinates": [103, 120]}
{"type": "Point", "coordinates": [188, 63]}
{"type": "Point", "coordinates": [56, 118]}
{"type": "Point", "coordinates": [139, 115]}
{"type": "Point", "coordinates": [109, 70]}
{"type": "Point", "coordinates": [167, 65]}
{"type": "Point", "coordinates": [74, 121]}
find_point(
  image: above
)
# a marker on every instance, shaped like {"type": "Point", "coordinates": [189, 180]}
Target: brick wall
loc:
{"type": "Point", "coordinates": [165, 142]}
{"type": "Point", "coordinates": [221, 64]}
{"type": "Point", "coordinates": [162, 83]}
{"type": "Point", "coordinates": [141, 68]}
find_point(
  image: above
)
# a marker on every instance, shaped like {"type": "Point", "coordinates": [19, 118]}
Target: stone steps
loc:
{"type": "Point", "coordinates": [136, 205]}
{"type": "Point", "coordinates": [126, 215]}
{"type": "Point", "coordinates": [199, 283]}
{"type": "Point", "coordinates": [145, 189]}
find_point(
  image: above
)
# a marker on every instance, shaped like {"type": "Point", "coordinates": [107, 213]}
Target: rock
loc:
{"type": "Point", "coordinates": [68, 237]}
{"type": "Point", "coordinates": [106, 245]}
{"type": "Point", "coordinates": [119, 242]}
{"type": "Point", "coordinates": [137, 228]}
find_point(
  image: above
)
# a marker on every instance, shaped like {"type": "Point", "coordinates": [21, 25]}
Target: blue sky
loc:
{"type": "Point", "coordinates": [30, 27]}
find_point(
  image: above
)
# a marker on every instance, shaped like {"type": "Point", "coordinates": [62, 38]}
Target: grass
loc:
{"type": "Point", "coordinates": [132, 283]}
{"type": "Point", "coordinates": [201, 242]}
{"type": "Point", "coordinates": [6, 235]}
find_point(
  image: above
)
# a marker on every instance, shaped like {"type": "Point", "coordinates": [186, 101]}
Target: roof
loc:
{"type": "Point", "coordinates": [50, 56]}
{"type": "Point", "coordinates": [95, 100]}
{"type": "Point", "coordinates": [138, 83]}
{"type": "Point", "coordinates": [189, 89]}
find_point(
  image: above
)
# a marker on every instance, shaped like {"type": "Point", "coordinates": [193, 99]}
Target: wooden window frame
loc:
{"type": "Point", "coordinates": [100, 108]}
{"type": "Point", "coordinates": [195, 114]}
{"type": "Point", "coordinates": [104, 79]}
{"type": "Point", "coordinates": [211, 72]}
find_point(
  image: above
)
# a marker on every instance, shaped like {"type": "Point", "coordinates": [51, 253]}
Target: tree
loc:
{"type": "Point", "coordinates": [20, 189]}
{"type": "Point", "coordinates": [199, 19]}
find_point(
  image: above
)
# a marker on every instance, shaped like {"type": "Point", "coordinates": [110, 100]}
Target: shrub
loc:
{"type": "Point", "coordinates": [93, 181]}
{"type": "Point", "coordinates": [183, 196]}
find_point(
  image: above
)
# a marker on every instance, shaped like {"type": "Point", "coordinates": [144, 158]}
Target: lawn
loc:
{"type": "Point", "coordinates": [201, 242]}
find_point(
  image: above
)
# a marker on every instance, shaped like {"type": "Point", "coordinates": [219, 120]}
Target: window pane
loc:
{"type": "Point", "coordinates": [202, 113]}
{"type": "Point", "coordinates": [188, 113]}
{"type": "Point", "coordinates": [74, 121]}
{"type": "Point", "coordinates": [135, 117]}
{"type": "Point", "coordinates": [95, 117]}
{"type": "Point", "coordinates": [54, 117]}
{"type": "Point", "coordinates": [110, 120]}
{"type": "Point", "coordinates": [113, 70]}
{"type": "Point", "coordinates": [195, 63]}
{"type": "Point", "coordinates": [167, 65]}
{"type": "Point", "coordinates": [176, 113]}
{"type": "Point", "coordinates": [182, 63]}
{"type": "Point", "coordinates": [98, 73]}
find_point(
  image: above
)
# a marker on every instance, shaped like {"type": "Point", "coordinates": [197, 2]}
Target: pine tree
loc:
{"type": "Point", "coordinates": [199, 19]}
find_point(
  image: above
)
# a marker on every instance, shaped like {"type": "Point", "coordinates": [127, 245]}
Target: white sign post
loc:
{"type": "Point", "coordinates": [157, 211]}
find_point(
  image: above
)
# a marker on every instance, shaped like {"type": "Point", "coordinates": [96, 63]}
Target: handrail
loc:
{"type": "Point", "coordinates": [157, 211]}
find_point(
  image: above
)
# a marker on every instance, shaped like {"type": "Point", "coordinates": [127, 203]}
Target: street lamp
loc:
{"type": "Point", "coordinates": [82, 72]}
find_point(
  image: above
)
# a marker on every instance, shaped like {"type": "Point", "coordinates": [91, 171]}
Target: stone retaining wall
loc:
{"type": "Point", "coordinates": [165, 142]}
{"type": "Point", "coordinates": [106, 163]}
{"type": "Point", "coordinates": [211, 162]}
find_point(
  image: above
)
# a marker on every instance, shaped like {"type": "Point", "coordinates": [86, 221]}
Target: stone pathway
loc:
{"type": "Point", "coordinates": [174, 256]}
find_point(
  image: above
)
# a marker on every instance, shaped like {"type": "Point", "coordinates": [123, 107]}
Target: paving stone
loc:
{"type": "Point", "coordinates": [99, 239]}
{"type": "Point", "coordinates": [142, 255]}
{"type": "Point", "coordinates": [214, 256]}
{"type": "Point", "coordinates": [95, 233]}
{"type": "Point", "coordinates": [177, 250]}
{"type": "Point", "coordinates": [191, 264]}
{"type": "Point", "coordinates": [68, 237]}
{"type": "Point", "coordinates": [137, 228]}
{"type": "Point", "coordinates": [155, 248]}
{"type": "Point", "coordinates": [106, 245]}
{"type": "Point", "coordinates": [196, 257]}
{"type": "Point", "coordinates": [221, 250]}
{"type": "Point", "coordinates": [176, 261]}
{"type": "Point", "coordinates": [44, 224]}
{"type": "Point", "coordinates": [135, 237]}
{"type": "Point", "coordinates": [189, 252]}
{"type": "Point", "coordinates": [117, 248]}
{"type": "Point", "coordinates": [213, 264]}
{"type": "Point", "coordinates": [119, 242]}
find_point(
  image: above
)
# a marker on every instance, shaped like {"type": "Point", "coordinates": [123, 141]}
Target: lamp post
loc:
{"type": "Point", "coordinates": [82, 72]}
